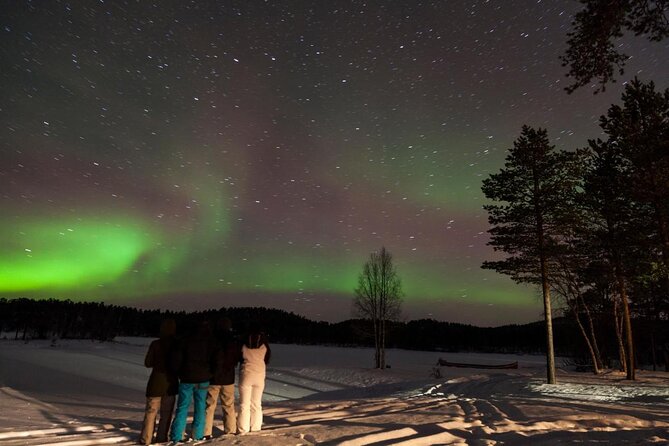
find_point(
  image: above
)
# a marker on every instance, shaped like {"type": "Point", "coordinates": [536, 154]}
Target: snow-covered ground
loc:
{"type": "Point", "coordinates": [82, 392]}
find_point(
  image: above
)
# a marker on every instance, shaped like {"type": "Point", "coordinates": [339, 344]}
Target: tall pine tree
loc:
{"type": "Point", "coordinates": [533, 195]}
{"type": "Point", "coordinates": [627, 190]}
{"type": "Point", "coordinates": [611, 232]}
{"type": "Point", "coordinates": [639, 130]}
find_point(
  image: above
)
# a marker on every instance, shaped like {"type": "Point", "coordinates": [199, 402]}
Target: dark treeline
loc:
{"type": "Point", "coordinates": [45, 319]}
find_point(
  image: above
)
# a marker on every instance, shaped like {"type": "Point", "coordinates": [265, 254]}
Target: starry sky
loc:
{"type": "Point", "coordinates": [199, 154]}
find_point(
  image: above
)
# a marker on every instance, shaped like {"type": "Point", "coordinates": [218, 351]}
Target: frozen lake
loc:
{"type": "Point", "coordinates": [91, 392]}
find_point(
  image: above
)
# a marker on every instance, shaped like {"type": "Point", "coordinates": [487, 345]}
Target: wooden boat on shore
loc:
{"type": "Point", "coordinates": [511, 365]}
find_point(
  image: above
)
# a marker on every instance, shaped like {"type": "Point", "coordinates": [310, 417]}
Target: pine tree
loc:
{"type": "Point", "coordinates": [612, 232]}
{"type": "Point", "coordinates": [627, 192]}
{"type": "Point", "coordinates": [639, 130]}
{"type": "Point", "coordinates": [592, 52]}
{"type": "Point", "coordinates": [532, 193]}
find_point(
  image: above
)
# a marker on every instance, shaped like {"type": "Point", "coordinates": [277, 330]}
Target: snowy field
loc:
{"type": "Point", "coordinates": [83, 392]}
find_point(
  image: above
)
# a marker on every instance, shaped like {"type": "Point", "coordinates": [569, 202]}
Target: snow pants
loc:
{"type": "Point", "coordinates": [154, 404]}
{"type": "Point", "coordinates": [227, 396]}
{"type": "Point", "coordinates": [196, 392]}
{"type": "Point", "coordinates": [251, 386]}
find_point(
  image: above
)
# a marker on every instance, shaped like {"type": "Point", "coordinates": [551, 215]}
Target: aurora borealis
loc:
{"type": "Point", "coordinates": [203, 154]}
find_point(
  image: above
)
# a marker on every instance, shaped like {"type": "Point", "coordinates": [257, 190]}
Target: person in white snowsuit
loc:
{"type": "Point", "coordinates": [255, 356]}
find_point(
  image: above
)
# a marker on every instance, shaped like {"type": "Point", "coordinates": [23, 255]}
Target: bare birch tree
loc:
{"type": "Point", "coordinates": [378, 297]}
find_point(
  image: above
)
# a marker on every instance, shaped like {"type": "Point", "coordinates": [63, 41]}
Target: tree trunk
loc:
{"type": "Point", "coordinates": [595, 362]}
{"type": "Point", "coordinates": [548, 312]}
{"type": "Point", "coordinates": [619, 335]}
{"type": "Point", "coordinates": [550, 356]}
{"type": "Point", "coordinates": [598, 356]}
{"type": "Point", "coordinates": [377, 357]}
{"type": "Point", "coordinates": [629, 345]}
{"type": "Point", "coordinates": [622, 293]}
{"type": "Point", "coordinates": [382, 363]}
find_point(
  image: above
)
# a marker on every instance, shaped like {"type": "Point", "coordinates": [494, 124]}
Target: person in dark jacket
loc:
{"type": "Point", "coordinates": [222, 385]}
{"type": "Point", "coordinates": [255, 356]}
{"type": "Point", "coordinates": [162, 386]}
{"type": "Point", "coordinates": [194, 361]}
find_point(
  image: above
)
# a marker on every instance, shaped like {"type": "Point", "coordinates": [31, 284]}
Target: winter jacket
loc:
{"type": "Point", "coordinates": [194, 359]}
{"type": "Point", "coordinates": [163, 381]}
{"type": "Point", "coordinates": [255, 354]}
{"type": "Point", "coordinates": [228, 355]}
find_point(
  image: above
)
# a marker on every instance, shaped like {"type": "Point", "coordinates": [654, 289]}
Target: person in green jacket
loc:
{"type": "Point", "coordinates": [162, 387]}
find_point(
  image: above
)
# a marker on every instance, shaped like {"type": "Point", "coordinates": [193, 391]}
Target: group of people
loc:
{"type": "Point", "coordinates": [200, 369]}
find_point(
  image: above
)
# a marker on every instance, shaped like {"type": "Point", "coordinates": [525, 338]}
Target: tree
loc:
{"type": "Point", "coordinates": [640, 131]}
{"type": "Point", "coordinates": [378, 297]}
{"type": "Point", "coordinates": [627, 191]}
{"type": "Point", "coordinates": [570, 280]}
{"type": "Point", "coordinates": [533, 191]}
{"type": "Point", "coordinates": [592, 53]}
{"type": "Point", "coordinates": [612, 231]}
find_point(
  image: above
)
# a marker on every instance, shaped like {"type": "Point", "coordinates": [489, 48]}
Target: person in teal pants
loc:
{"type": "Point", "coordinates": [194, 360]}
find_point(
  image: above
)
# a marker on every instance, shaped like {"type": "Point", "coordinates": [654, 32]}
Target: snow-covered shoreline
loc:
{"type": "Point", "coordinates": [90, 392]}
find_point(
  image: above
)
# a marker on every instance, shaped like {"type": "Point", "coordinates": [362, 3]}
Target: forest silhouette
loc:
{"type": "Point", "coordinates": [28, 319]}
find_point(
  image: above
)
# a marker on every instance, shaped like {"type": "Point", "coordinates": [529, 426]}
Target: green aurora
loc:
{"type": "Point", "coordinates": [125, 257]}
{"type": "Point", "coordinates": [201, 154]}
{"type": "Point", "coordinates": [65, 254]}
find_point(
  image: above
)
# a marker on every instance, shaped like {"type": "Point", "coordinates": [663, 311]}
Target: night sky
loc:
{"type": "Point", "coordinates": [191, 155]}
